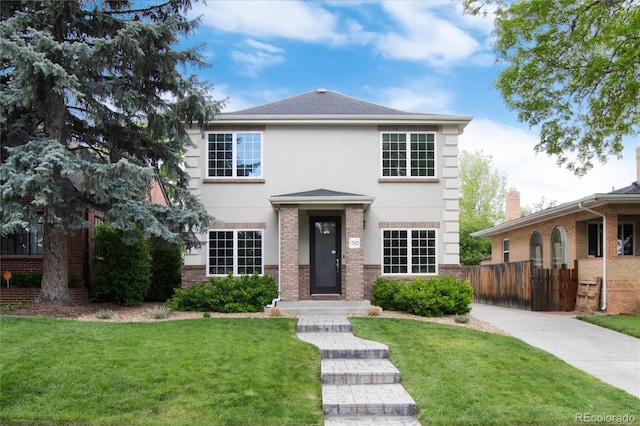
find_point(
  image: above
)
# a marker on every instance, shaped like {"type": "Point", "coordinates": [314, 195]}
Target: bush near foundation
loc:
{"type": "Point", "coordinates": [247, 293]}
{"type": "Point", "coordinates": [433, 297]}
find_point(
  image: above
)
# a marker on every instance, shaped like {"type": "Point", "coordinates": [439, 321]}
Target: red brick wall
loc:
{"type": "Point", "coordinates": [353, 285]}
{"type": "Point", "coordinates": [14, 295]}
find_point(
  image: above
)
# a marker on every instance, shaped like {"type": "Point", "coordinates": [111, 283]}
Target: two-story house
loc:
{"type": "Point", "coordinates": [326, 193]}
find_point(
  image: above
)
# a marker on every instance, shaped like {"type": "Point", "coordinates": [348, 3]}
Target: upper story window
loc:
{"type": "Point", "coordinates": [559, 248]}
{"type": "Point", "coordinates": [505, 250]}
{"type": "Point", "coordinates": [234, 155]}
{"type": "Point", "coordinates": [535, 247]}
{"type": "Point", "coordinates": [25, 241]}
{"type": "Point", "coordinates": [409, 154]}
{"type": "Point", "coordinates": [409, 251]}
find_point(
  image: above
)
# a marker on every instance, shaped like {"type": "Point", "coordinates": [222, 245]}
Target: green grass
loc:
{"type": "Point", "coordinates": [627, 324]}
{"type": "Point", "coordinates": [191, 372]}
{"type": "Point", "coordinates": [459, 376]}
{"type": "Point", "coordinates": [256, 372]}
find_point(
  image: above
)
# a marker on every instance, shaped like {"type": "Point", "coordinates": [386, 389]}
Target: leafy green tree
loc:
{"type": "Point", "coordinates": [571, 70]}
{"type": "Point", "coordinates": [482, 197]}
{"type": "Point", "coordinates": [92, 102]}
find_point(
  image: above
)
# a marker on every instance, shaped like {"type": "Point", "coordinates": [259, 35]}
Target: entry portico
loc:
{"type": "Point", "coordinates": [323, 229]}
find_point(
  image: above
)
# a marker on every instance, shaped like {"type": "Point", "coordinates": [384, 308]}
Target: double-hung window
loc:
{"type": "Point", "coordinates": [409, 251]}
{"type": "Point", "coordinates": [505, 250]}
{"type": "Point", "coordinates": [25, 241]}
{"type": "Point", "coordinates": [236, 252]}
{"type": "Point", "coordinates": [234, 155]}
{"type": "Point", "coordinates": [411, 155]}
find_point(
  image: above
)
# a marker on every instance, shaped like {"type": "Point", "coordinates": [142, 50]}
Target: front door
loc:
{"type": "Point", "coordinates": [326, 257]}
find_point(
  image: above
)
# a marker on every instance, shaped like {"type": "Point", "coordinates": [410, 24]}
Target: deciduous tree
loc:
{"type": "Point", "coordinates": [572, 68]}
{"type": "Point", "coordinates": [93, 101]}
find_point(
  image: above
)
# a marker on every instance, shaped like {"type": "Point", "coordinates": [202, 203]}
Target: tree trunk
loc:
{"type": "Point", "coordinates": [54, 288]}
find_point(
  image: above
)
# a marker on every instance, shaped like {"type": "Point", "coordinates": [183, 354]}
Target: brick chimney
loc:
{"type": "Point", "coordinates": [638, 164]}
{"type": "Point", "coordinates": [513, 204]}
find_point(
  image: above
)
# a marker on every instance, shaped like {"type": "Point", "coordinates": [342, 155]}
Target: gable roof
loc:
{"type": "Point", "coordinates": [627, 195]}
{"type": "Point", "coordinates": [327, 107]}
{"type": "Point", "coordinates": [321, 197]}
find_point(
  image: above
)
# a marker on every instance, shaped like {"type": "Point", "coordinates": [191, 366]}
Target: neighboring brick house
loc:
{"type": "Point", "coordinates": [326, 193]}
{"type": "Point", "coordinates": [598, 233]}
{"type": "Point", "coordinates": [22, 251]}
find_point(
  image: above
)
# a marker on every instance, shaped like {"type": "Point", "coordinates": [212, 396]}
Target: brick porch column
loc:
{"type": "Point", "coordinates": [289, 286]}
{"type": "Point", "coordinates": [353, 284]}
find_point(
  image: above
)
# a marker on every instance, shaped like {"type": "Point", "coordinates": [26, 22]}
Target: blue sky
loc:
{"type": "Point", "coordinates": [417, 56]}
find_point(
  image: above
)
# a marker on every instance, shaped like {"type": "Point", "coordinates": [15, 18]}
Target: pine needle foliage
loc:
{"type": "Point", "coordinates": [92, 102]}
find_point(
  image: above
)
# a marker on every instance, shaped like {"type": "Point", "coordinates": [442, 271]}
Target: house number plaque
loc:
{"type": "Point", "coordinates": [354, 243]}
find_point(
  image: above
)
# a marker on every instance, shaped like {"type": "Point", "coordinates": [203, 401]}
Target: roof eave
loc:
{"type": "Point", "coordinates": [591, 201]}
{"type": "Point", "coordinates": [461, 121]}
{"type": "Point", "coordinates": [322, 200]}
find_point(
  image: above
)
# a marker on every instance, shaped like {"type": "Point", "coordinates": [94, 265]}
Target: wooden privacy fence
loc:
{"type": "Point", "coordinates": [519, 285]}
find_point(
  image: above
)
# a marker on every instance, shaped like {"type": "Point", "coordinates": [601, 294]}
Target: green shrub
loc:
{"type": "Point", "coordinates": [122, 271]}
{"type": "Point", "coordinates": [247, 293]}
{"type": "Point", "coordinates": [34, 279]}
{"type": "Point", "coordinates": [105, 314]}
{"type": "Point", "coordinates": [166, 265]}
{"type": "Point", "coordinates": [432, 297]}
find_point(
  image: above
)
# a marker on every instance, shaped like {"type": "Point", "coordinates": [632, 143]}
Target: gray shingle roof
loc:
{"type": "Point", "coordinates": [634, 188]}
{"type": "Point", "coordinates": [320, 102]}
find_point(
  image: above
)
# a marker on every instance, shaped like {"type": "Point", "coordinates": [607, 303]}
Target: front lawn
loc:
{"type": "Point", "coordinates": [190, 372]}
{"type": "Point", "coordinates": [627, 324]}
{"type": "Point", "coordinates": [459, 376]}
{"type": "Point", "coordinates": [256, 372]}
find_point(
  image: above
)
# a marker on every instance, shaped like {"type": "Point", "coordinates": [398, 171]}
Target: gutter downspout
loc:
{"type": "Point", "coordinates": [277, 299]}
{"type": "Point", "coordinates": [604, 254]}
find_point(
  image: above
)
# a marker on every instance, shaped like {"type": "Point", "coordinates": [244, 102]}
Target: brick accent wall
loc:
{"type": "Point", "coordinates": [14, 295]}
{"type": "Point", "coordinates": [353, 287]}
{"type": "Point", "coordinates": [289, 242]}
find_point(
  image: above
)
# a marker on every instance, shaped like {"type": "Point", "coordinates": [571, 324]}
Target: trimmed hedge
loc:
{"type": "Point", "coordinates": [34, 279]}
{"type": "Point", "coordinates": [247, 293]}
{"type": "Point", "coordinates": [432, 297]}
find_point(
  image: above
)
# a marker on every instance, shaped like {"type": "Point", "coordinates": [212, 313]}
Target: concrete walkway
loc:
{"type": "Point", "coordinates": [360, 386]}
{"type": "Point", "coordinates": [608, 355]}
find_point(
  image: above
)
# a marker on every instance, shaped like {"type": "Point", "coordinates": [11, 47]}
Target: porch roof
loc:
{"type": "Point", "coordinates": [321, 197]}
{"type": "Point", "coordinates": [590, 202]}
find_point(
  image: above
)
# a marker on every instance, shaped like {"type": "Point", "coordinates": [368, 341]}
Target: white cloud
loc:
{"type": "Point", "coordinates": [287, 19]}
{"type": "Point", "coordinates": [259, 56]}
{"type": "Point", "coordinates": [422, 34]}
{"type": "Point", "coordinates": [421, 95]}
{"type": "Point", "coordinates": [537, 175]}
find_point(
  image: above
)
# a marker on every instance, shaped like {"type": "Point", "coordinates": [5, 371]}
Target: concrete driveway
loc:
{"type": "Point", "coordinates": [608, 355]}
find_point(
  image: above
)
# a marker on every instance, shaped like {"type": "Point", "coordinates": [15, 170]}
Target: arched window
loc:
{"type": "Point", "coordinates": [535, 249]}
{"type": "Point", "coordinates": [559, 248]}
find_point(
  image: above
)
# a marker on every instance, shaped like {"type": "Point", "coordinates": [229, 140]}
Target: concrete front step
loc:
{"type": "Point", "coordinates": [345, 345]}
{"type": "Point", "coordinates": [323, 324]}
{"type": "Point", "coordinates": [370, 421]}
{"type": "Point", "coordinates": [367, 400]}
{"type": "Point", "coordinates": [358, 372]}
{"type": "Point", "coordinates": [324, 307]}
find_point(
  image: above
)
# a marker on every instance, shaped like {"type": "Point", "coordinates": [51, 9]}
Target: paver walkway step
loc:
{"type": "Point", "coordinates": [367, 400]}
{"type": "Point", "coordinates": [358, 372]}
{"type": "Point", "coordinates": [371, 421]}
{"type": "Point", "coordinates": [360, 386]}
{"type": "Point", "coordinates": [345, 345]}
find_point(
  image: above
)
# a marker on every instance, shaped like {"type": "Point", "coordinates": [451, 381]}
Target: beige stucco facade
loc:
{"type": "Point", "coordinates": [342, 156]}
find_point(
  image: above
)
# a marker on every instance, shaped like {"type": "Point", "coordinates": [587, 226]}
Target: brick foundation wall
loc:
{"type": "Point", "coordinates": [14, 295]}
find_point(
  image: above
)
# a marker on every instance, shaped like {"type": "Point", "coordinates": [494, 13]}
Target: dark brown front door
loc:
{"type": "Point", "coordinates": [326, 257]}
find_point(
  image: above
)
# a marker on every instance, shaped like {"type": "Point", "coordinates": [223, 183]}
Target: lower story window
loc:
{"type": "Point", "coordinates": [237, 252]}
{"type": "Point", "coordinates": [409, 251]}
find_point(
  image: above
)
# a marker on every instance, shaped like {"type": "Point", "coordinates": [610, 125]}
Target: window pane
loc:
{"type": "Point", "coordinates": [395, 249]}
{"type": "Point", "coordinates": [249, 152]}
{"type": "Point", "coordinates": [249, 252]}
{"type": "Point", "coordinates": [220, 155]}
{"type": "Point", "coordinates": [220, 252]}
{"type": "Point", "coordinates": [535, 249]}
{"type": "Point", "coordinates": [423, 243]}
{"type": "Point", "coordinates": [422, 155]}
{"type": "Point", "coordinates": [625, 239]}
{"type": "Point", "coordinates": [394, 154]}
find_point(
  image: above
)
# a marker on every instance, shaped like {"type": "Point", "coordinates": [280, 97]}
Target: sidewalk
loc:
{"type": "Point", "coordinates": [608, 355]}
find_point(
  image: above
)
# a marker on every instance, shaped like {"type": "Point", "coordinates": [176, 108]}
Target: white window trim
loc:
{"type": "Point", "coordinates": [235, 250]}
{"type": "Point", "coordinates": [409, 264]}
{"type": "Point", "coordinates": [408, 153]}
{"type": "Point", "coordinates": [507, 251]}
{"type": "Point", "coordinates": [234, 154]}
